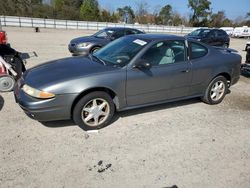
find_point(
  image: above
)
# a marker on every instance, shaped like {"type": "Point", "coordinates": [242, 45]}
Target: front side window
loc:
{"type": "Point", "coordinates": [200, 33]}
{"type": "Point", "coordinates": [166, 52]}
{"type": "Point", "coordinates": [103, 33]}
{"type": "Point", "coordinates": [197, 50]}
{"type": "Point", "coordinates": [121, 51]}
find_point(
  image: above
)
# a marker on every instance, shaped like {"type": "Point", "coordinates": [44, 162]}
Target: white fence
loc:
{"type": "Point", "coordinates": [70, 24]}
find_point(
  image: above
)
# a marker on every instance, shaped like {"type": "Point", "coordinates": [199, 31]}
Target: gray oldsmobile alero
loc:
{"type": "Point", "coordinates": [130, 72]}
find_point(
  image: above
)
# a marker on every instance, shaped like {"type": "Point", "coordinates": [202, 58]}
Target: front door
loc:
{"type": "Point", "coordinates": [168, 78]}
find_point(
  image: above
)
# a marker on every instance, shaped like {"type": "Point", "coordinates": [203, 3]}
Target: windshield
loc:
{"type": "Point", "coordinates": [121, 51]}
{"type": "Point", "coordinates": [103, 33]}
{"type": "Point", "coordinates": [200, 32]}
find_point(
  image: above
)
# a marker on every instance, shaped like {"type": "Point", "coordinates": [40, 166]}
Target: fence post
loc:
{"type": "Point", "coordinates": [66, 24]}
{"type": "Point", "coordinates": [44, 23]}
{"type": "Point", "coordinates": [32, 24]}
{"type": "Point", "coordinates": [4, 19]}
{"type": "Point", "coordinates": [19, 22]}
{"type": "Point", "coordinates": [0, 22]}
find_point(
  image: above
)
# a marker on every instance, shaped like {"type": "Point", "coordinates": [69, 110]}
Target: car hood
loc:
{"type": "Point", "coordinates": [62, 70]}
{"type": "Point", "coordinates": [86, 39]}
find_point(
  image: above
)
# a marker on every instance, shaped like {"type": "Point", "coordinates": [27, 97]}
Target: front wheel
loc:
{"type": "Point", "coordinates": [216, 90]}
{"type": "Point", "coordinates": [94, 111]}
{"type": "Point", "coordinates": [94, 49]}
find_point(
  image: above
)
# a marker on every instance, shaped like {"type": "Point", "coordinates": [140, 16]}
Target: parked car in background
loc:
{"type": "Point", "coordinates": [130, 72]}
{"type": "Point", "coordinates": [228, 30]}
{"type": "Point", "coordinates": [241, 32]}
{"type": "Point", "coordinates": [3, 37]}
{"type": "Point", "coordinates": [214, 37]}
{"type": "Point", "coordinates": [90, 44]}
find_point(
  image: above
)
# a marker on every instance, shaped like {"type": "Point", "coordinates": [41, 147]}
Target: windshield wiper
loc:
{"type": "Point", "coordinates": [100, 60]}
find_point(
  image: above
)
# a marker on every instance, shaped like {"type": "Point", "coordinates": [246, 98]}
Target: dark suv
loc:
{"type": "Point", "coordinates": [214, 37]}
{"type": "Point", "coordinates": [90, 44]}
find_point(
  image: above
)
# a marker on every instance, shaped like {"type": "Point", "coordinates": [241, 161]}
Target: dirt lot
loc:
{"type": "Point", "coordinates": [188, 144]}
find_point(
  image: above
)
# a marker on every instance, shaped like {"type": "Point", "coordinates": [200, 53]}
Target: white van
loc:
{"type": "Point", "coordinates": [229, 30]}
{"type": "Point", "coordinates": [241, 31]}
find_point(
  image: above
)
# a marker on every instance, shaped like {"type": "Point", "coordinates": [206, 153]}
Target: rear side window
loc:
{"type": "Point", "coordinates": [118, 34]}
{"type": "Point", "coordinates": [221, 33]}
{"type": "Point", "coordinates": [132, 31]}
{"type": "Point", "coordinates": [197, 50]}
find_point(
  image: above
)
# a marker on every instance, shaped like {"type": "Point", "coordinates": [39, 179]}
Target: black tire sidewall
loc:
{"type": "Point", "coordinates": [83, 101]}
{"type": "Point", "coordinates": [94, 49]}
{"type": "Point", "coordinates": [207, 97]}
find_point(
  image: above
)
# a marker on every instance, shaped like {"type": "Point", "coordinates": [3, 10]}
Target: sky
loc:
{"type": "Point", "coordinates": [232, 8]}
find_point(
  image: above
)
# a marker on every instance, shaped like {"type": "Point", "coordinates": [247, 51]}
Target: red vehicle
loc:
{"type": "Point", "coordinates": [3, 37]}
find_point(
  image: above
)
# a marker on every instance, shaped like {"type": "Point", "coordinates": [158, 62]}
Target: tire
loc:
{"type": "Point", "coordinates": [215, 95]}
{"type": "Point", "coordinates": [225, 46]}
{"type": "Point", "coordinates": [94, 49]}
{"type": "Point", "coordinates": [7, 83]}
{"type": "Point", "coordinates": [94, 111]}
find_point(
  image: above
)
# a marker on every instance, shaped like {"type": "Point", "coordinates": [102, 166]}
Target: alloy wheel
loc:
{"type": "Point", "coordinates": [95, 112]}
{"type": "Point", "coordinates": [217, 90]}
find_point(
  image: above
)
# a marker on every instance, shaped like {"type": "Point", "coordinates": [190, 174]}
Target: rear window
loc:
{"type": "Point", "coordinates": [197, 50]}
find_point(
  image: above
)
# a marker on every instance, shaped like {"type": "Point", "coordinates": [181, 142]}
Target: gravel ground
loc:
{"type": "Point", "coordinates": [188, 143]}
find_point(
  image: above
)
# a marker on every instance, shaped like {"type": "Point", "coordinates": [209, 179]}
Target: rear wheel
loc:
{"type": "Point", "coordinates": [225, 46]}
{"type": "Point", "coordinates": [94, 111]}
{"type": "Point", "coordinates": [216, 90]}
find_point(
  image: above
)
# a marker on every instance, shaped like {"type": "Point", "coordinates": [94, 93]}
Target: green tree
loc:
{"type": "Point", "coordinates": [177, 20]}
{"type": "Point", "coordinates": [142, 12]}
{"type": "Point", "coordinates": [166, 15]}
{"type": "Point", "coordinates": [227, 23]}
{"type": "Point", "coordinates": [201, 11]}
{"type": "Point", "coordinates": [126, 14]}
{"type": "Point", "coordinates": [217, 19]}
{"type": "Point", "coordinates": [89, 10]}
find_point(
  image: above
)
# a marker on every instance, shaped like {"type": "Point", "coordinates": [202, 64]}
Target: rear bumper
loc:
{"type": "Point", "coordinates": [58, 108]}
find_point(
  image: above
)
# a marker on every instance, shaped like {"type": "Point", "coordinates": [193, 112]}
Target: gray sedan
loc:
{"type": "Point", "coordinates": [130, 72]}
{"type": "Point", "coordinates": [90, 44]}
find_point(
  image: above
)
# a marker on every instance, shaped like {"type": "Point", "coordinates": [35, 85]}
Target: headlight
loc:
{"type": "Point", "coordinates": [198, 39]}
{"type": "Point", "coordinates": [82, 45]}
{"type": "Point", "coordinates": [37, 93]}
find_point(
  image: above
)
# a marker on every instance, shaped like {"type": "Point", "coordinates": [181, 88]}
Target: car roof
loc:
{"type": "Point", "coordinates": [210, 29]}
{"type": "Point", "coordinates": [157, 37]}
{"type": "Point", "coordinates": [118, 28]}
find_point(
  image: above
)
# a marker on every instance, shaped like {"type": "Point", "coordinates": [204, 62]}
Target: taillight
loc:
{"type": "Point", "coordinates": [2, 69]}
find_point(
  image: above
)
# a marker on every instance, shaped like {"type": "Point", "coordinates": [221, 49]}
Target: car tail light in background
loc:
{"type": "Point", "coordinates": [3, 37]}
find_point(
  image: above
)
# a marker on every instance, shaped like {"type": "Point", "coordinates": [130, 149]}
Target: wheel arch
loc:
{"type": "Point", "coordinates": [224, 74]}
{"type": "Point", "coordinates": [95, 46]}
{"type": "Point", "coordinates": [109, 91]}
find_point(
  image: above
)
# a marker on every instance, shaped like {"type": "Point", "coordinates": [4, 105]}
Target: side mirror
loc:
{"type": "Point", "coordinates": [142, 64]}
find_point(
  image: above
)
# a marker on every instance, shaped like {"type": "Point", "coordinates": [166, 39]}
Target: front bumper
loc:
{"type": "Point", "coordinates": [78, 51]}
{"type": "Point", "coordinates": [58, 108]}
{"type": "Point", "coordinates": [245, 69]}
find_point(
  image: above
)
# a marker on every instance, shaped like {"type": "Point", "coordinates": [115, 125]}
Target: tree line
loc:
{"type": "Point", "coordinates": [90, 10]}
